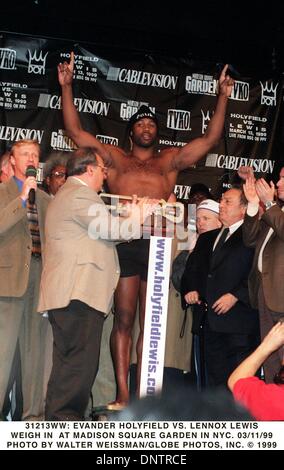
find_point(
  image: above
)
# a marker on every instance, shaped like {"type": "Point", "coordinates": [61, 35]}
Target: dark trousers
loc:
{"type": "Point", "coordinates": [13, 404]}
{"type": "Point", "coordinates": [77, 331]}
{"type": "Point", "coordinates": [224, 352]}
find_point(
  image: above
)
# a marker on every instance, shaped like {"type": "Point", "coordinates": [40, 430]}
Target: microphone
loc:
{"type": "Point", "coordinates": [31, 171]}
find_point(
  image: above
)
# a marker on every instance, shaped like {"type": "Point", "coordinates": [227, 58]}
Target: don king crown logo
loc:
{"type": "Point", "coordinates": [37, 62]}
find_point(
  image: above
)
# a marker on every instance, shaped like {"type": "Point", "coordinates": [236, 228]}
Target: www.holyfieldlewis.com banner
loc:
{"type": "Point", "coordinates": [109, 86]}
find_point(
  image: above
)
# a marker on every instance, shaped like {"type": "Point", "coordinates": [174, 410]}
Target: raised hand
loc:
{"type": "Point", "coordinates": [225, 82]}
{"type": "Point", "coordinates": [274, 339]}
{"type": "Point", "coordinates": [65, 71]}
{"type": "Point", "coordinates": [250, 190]}
{"type": "Point", "coordinates": [245, 172]}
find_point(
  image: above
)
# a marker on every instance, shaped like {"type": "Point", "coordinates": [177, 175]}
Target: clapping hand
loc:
{"type": "Point", "coordinates": [250, 190]}
{"type": "Point", "coordinates": [264, 190]}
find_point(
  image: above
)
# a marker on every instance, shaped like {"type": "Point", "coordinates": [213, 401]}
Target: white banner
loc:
{"type": "Point", "coordinates": [156, 316]}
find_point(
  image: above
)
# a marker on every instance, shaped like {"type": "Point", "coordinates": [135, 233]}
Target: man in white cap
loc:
{"type": "Point", "coordinates": [207, 216]}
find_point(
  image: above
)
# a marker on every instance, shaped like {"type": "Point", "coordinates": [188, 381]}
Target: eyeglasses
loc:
{"type": "Point", "coordinates": [58, 174]}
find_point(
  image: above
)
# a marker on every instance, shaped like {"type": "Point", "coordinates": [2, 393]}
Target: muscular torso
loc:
{"type": "Point", "coordinates": [154, 177]}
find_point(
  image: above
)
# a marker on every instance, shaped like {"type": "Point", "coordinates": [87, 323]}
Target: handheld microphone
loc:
{"type": "Point", "coordinates": [31, 171]}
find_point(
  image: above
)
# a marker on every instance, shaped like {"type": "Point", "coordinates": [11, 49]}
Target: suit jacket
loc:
{"type": "Point", "coordinates": [15, 238]}
{"type": "Point", "coordinates": [228, 275]}
{"type": "Point", "coordinates": [254, 234]}
{"type": "Point", "coordinates": [194, 279]}
{"type": "Point", "coordinates": [76, 265]}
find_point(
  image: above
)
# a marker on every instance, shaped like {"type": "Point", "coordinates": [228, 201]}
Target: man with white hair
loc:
{"type": "Point", "coordinates": [207, 216]}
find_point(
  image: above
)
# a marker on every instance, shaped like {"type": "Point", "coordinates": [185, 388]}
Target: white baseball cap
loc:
{"type": "Point", "coordinates": [210, 205]}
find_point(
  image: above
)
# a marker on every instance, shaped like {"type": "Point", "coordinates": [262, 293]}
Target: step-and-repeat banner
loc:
{"type": "Point", "coordinates": [110, 85]}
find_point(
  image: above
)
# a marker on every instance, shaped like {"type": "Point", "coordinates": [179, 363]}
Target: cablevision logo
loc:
{"type": "Point", "coordinates": [140, 77]}
{"type": "Point", "coordinates": [17, 133]}
{"type": "Point", "coordinates": [231, 162]}
{"type": "Point", "coordinates": [83, 105]}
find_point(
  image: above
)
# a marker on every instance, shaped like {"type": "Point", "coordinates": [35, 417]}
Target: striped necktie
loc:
{"type": "Point", "coordinates": [34, 229]}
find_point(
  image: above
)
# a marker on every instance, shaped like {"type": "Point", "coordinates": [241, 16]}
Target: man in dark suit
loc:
{"type": "Point", "coordinates": [217, 275]}
{"type": "Point", "coordinates": [266, 234]}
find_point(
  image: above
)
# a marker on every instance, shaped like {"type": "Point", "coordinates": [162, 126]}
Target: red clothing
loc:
{"type": "Point", "coordinates": [264, 401]}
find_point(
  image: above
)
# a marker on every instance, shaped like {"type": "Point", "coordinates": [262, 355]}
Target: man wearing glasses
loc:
{"type": "Point", "coordinates": [81, 259]}
{"type": "Point", "coordinates": [54, 172]}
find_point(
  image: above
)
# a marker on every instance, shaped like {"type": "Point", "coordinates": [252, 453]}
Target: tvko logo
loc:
{"type": "Point", "coordinates": [37, 62]}
{"type": "Point", "coordinates": [107, 139]}
{"type": "Point", "coordinates": [268, 93]}
{"type": "Point", "coordinates": [178, 119]}
{"type": "Point", "coordinates": [7, 59]}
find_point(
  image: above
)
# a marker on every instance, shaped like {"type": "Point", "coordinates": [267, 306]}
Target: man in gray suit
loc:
{"type": "Point", "coordinates": [79, 277]}
{"type": "Point", "coordinates": [21, 246]}
{"type": "Point", "coordinates": [266, 234]}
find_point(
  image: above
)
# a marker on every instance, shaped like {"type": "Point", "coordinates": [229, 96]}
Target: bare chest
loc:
{"type": "Point", "coordinates": [132, 165]}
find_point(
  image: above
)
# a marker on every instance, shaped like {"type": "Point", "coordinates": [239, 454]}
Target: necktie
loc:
{"type": "Point", "coordinates": [34, 229]}
{"type": "Point", "coordinates": [219, 245]}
